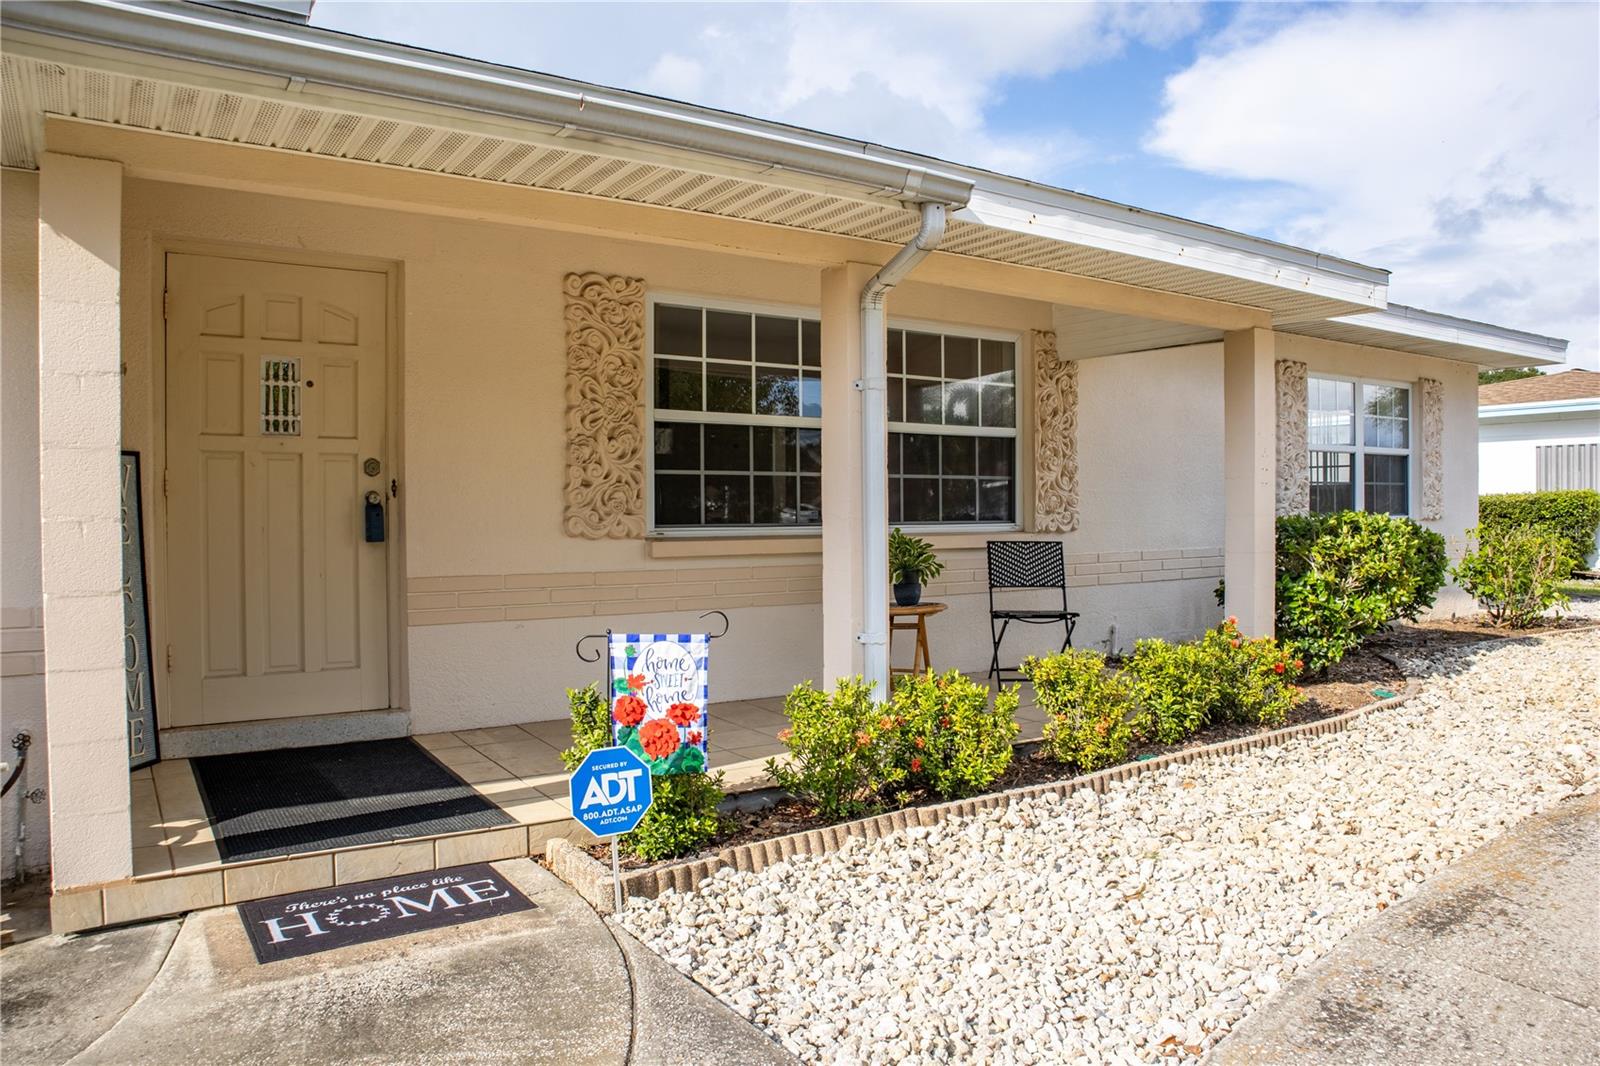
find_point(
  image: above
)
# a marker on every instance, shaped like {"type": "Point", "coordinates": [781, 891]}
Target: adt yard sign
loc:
{"type": "Point", "coordinates": [610, 791]}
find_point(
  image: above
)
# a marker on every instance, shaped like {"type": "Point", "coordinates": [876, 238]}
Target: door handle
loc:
{"type": "Point", "coordinates": [374, 519]}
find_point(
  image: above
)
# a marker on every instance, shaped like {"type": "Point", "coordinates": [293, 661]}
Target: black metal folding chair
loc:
{"type": "Point", "coordinates": [1026, 564]}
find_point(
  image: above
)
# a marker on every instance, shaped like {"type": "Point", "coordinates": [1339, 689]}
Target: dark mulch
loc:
{"type": "Point", "coordinates": [1366, 675]}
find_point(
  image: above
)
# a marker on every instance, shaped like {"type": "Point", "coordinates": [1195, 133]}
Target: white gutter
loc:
{"type": "Point", "coordinates": [1534, 408]}
{"type": "Point", "coordinates": [1400, 320]}
{"type": "Point", "coordinates": [874, 388]}
{"type": "Point", "coordinates": [310, 56]}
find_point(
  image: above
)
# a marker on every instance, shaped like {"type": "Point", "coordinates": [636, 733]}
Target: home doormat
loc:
{"type": "Point", "coordinates": [268, 803]}
{"type": "Point", "coordinates": [286, 927]}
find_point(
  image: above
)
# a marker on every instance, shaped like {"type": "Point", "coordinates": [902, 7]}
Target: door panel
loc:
{"type": "Point", "coordinates": [276, 382]}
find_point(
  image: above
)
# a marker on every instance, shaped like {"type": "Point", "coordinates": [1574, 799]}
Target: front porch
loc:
{"type": "Point", "coordinates": [177, 865]}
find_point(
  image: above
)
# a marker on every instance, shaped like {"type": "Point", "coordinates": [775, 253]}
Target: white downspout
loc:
{"type": "Point", "coordinates": [873, 386]}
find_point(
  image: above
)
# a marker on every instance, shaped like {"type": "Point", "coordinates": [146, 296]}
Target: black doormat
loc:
{"type": "Point", "coordinates": [285, 927]}
{"type": "Point", "coordinates": [269, 803]}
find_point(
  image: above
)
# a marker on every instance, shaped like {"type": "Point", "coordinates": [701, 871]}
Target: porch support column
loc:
{"type": "Point", "coordinates": [842, 476]}
{"type": "Point", "coordinates": [80, 526]}
{"type": "Point", "coordinates": [1249, 460]}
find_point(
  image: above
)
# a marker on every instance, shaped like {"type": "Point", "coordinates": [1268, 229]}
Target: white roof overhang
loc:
{"type": "Point", "coordinates": [1541, 408]}
{"type": "Point", "coordinates": [1410, 329]}
{"type": "Point", "coordinates": [222, 76]}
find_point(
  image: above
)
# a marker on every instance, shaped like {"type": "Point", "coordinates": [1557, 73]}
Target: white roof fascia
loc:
{"type": "Point", "coordinates": [1446, 329]}
{"type": "Point", "coordinates": [332, 61]}
{"type": "Point", "coordinates": [1094, 223]}
{"type": "Point", "coordinates": [1540, 407]}
{"type": "Point", "coordinates": [321, 58]}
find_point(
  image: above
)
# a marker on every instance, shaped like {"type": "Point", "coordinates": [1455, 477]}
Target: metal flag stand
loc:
{"type": "Point", "coordinates": [605, 689]}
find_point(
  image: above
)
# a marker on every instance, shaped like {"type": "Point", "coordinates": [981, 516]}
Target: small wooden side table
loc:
{"type": "Point", "coordinates": [913, 620]}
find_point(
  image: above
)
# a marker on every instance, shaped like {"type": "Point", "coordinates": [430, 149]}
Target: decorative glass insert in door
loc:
{"type": "Point", "coordinates": [280, 396]}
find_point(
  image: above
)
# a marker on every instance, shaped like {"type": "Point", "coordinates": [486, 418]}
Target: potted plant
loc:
{"type": "Point", "coordinates": [911, 562]}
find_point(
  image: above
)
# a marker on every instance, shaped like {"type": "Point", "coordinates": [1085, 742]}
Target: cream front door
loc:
{"type": "Point", "coordinates": [276, 378]}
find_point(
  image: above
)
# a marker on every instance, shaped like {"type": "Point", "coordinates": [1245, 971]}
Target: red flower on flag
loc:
{"type": "Point", "coordinates": [659, 738]}
{"type": "Point", "coordinates": [684, 714]}
{"type": "Point", "coordinates": [629, 710]}
{"type": "Point", "coordinates": [694, 738]}
{"type": "Point", "coordinates": [635, 682]}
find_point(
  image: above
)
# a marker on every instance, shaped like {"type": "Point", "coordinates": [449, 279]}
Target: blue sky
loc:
{"type": "Point", "coordinates": [1455, 144]}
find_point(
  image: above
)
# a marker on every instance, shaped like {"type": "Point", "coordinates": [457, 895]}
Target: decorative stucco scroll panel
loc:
{"type": "Point", "coordinates": [1432, 400]}
{"type": "Point", "coordinates": [1055, 438]}
{"type": "Point", "coordinates": [1294, 475]}
{"type": "Point", "coordinates": [605, 406]}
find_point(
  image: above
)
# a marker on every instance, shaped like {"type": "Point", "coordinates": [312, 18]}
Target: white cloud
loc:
{"type": "Point", "coordinates": [917, 76]}
{"type": "Point", "coordinates": [1456, 145]}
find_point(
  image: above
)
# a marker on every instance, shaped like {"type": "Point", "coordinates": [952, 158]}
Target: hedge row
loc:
{"type": "Point", "coordinates": [1573, 513]}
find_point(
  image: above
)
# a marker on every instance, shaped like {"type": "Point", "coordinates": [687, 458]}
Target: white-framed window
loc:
{"type": "Point", "coordinates": [735, 405]}
{"type": "Point", "coordinates": [1359, 443]}
{"type": "Point", "coordinates": [735, 419]}
{"type": "Point", "coordinates": [952, 427]}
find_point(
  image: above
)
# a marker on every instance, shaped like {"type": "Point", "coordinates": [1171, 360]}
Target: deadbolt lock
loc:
{"type": "Point", "coordinates": [372, 467]}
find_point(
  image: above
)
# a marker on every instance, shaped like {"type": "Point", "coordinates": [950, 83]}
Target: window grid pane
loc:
{"type": "Point", "coordinates": [1363, 463]}
{"type": "Point", "coordinates": [954, 383]}
{"type": "Point", "coordinates": [731, 363]}
{"type": "Point", "coordinates": [951, 479]}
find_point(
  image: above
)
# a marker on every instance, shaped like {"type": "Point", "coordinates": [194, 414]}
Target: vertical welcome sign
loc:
{"type": "Point", "coordinates": [658, 699]}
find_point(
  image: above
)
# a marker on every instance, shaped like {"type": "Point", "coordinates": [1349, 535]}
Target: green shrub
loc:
{"type": "Point", "coordinates": [1256, 676]}
{"type": "Point", "coordinates": [1573, 513]}
{"type": "Point", "coordinates": [947, 737]}
{"type": "Point", "coordinates": [682, 819]}
{"type": "Point", "coordinates": [591, 724]}
{"type": "Point", "coordinates": [1515, 572]}
{"type": "Point", "coordinates": [840, 749]}
{"type": "Point", "coordinates": [1182, 688]}
{"type": "Point", "coordinates": [1177, 687]}
{"type": "Point", "coordinates": [683, 816]}
{"type": "Point", "coordinates": [1089, 710]}
{"type": "Point", "coordinates": [1342, 577]}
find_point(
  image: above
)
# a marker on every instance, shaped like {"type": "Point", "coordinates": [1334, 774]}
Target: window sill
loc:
{"type": "Point", "coordinates": [691, 545]}
{"type": "Point", "coordinates": [698, 546]}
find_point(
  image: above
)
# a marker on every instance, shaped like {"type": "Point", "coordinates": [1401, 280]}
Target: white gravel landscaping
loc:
{"type": "Point", "coordinates": [1148, 922]}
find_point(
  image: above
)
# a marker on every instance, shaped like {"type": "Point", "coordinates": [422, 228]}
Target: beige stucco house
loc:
{"type": "Point", "coordinates": [582, 348]}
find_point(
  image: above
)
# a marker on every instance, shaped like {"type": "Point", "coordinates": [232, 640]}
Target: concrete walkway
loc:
{"type": "Point", "coordinates": [549, 985]}
{"type": "Point", "coordinates": [1497, 960]}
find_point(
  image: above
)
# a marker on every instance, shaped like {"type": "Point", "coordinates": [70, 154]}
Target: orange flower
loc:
{"type": "Point", "coordinates": [916, 765]}
{"type": "Point", "coordinates": [685, 714]}
{"type": "Point", "coordinates": [659, 738]}
{"type": "Point", "coordinates": [1233, 643]}
{"type": "Point", "coordinates": [862, 740]}
{"type": "Point", "coordinates": [885, 723]}
{"type": "Point", "coordinates": [944, 723]}
{"type": "Point", "coordinates": [635, 682]}
{"type": "Point", "coordinates": [1233, 620]}
{"type": "Point", "coordinates": [785, 734]}
{"type": "Point", "coordinates": [1299, 664]}
{"type": "Point", "coordinates": [1278, 668]}
{"type": "Point", "coordinates": [629, 710]}
{"type": "Point", "coordinates": [920, 743]}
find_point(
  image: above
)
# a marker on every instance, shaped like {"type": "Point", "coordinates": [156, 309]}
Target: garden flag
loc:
{"type": "Point", "coordinates": [658, 699]}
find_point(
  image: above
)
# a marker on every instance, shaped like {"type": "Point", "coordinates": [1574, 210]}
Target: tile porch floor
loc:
{"type": "Point", "coordinates": [516, 767]}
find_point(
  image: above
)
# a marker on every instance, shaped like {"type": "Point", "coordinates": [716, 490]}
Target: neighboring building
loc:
{"type": "Point", "coordinates": [583, 347]}
{"type": "Point", "coordinates": [1540, 433]}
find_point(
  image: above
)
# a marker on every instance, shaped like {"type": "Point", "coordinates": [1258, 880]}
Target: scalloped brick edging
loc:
{"type": "Point", "coordinates": [592, 879]}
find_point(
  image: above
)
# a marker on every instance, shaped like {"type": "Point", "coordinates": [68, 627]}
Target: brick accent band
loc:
{"type": "Point", "coordinates": [577, 594]}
